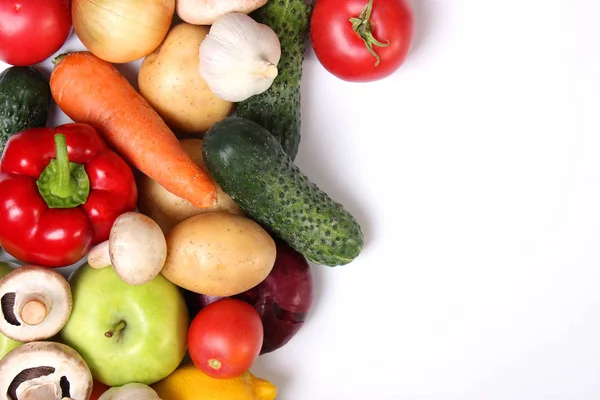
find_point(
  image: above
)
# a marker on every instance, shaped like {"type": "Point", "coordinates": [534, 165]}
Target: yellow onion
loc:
{"type": "Point", "coordinates": [121, 31]}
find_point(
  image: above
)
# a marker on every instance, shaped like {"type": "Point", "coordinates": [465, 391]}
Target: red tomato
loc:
{"type": "Point", "coordinates": [32, 30]}
{"type": "Point", "coordinates": [385, 25]}
{"type": "Point", "coordinates": [225, 338]}
{"type": "Point", "coordinates": [98, 389]}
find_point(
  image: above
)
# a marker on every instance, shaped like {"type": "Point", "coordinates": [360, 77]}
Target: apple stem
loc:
{"type": "Point", "coordinates": [115, 330]}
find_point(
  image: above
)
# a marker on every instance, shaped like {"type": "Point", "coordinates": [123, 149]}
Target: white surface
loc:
{"type": "Point", "coordinates": [475, 174]}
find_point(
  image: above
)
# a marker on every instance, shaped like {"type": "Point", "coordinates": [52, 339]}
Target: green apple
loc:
{"type": "Point", "coordinates": [6, 344]}
{"type": "Point", "coordinates": [126, 333]}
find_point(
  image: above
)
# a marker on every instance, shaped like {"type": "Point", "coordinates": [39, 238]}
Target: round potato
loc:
{"type": "Point", "coordinates": [167, 209]}
{"type": "Point", "coordinates": [169, 79]}
{"type": "Point", "coordinates": [218, 254]}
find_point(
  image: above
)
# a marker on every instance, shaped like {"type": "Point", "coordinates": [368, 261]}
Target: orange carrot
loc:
{"type": "Point", "coordinates": [90, 90]}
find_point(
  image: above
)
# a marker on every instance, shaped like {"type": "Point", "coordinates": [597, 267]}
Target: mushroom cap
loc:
{"type": "Point", "coordinates": [44, 371]}
{"type": "Point", "coordinates": [137, 248]}
{"type": "Point", "coordinates": [39, 284]}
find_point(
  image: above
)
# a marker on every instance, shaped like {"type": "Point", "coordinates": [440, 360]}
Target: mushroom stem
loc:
{"type": "Point", "coordinates": [99, 256]}
{"type": "Point", "coordinates": [120, 326]}
{"type": "Point", "coordinates": [34, 312]}
{"type": "Point", "coordinates": [45, 391]}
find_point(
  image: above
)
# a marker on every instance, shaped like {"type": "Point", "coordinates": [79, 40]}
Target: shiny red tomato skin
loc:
{"type": "Point", "coordinates": [341, 50]}
{"type": "Point", "coordinates": [32, 30]}
{"type": "Point", "coordinates": [97, 389]}
{"type": "Point", "coordinates": [225, 338]}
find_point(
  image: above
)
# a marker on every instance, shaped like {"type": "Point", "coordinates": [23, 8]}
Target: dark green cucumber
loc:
{"type": "Point", "coordinates": [252, 167]}
{"type": "Point", "coordinates": [24, 101]}
{"type": "Point", "coordinates": [278, 108]}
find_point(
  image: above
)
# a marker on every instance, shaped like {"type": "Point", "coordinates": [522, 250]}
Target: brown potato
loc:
{"type": "Point", "coordinates": [218, 254]}
{"type": "Point", "coordinates": [167, 209]}
{"type": "Point", "coordinates": [169, 79]}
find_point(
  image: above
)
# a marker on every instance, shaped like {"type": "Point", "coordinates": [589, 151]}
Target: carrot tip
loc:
{"type": "Point", "coordinates": [210, 201]}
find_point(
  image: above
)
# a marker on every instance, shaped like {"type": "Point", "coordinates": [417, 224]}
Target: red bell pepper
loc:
{"type": "Point", "coordinates": [61, 190]}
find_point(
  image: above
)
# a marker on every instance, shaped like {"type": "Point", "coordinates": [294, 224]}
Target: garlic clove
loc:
{"type": "Point", "coordinates": [239, 57]}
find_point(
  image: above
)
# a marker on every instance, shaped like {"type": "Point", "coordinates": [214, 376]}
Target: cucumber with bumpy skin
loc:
{"type": "Point", "coordinates": [278, 108]}
{"type": "Point", "coordinates": [252, 167]}
{"type": "Point", "coordinates": [24, 101]}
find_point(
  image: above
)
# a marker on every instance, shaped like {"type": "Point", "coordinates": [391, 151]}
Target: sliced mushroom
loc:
{"type": "Point", "coordinates": [44, 371]}
{"type": "Point", "coordinates": [36, 303]}
{"type": "Point", "coordinates": [136, 249]}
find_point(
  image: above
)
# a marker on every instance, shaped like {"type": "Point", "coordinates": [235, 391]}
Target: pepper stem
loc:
{"type": "Point", "coordinates": [362, 26]}
{"type": "Point", "coordinates": [64, 184]}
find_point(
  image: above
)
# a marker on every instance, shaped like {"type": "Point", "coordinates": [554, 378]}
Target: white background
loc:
{"type": "Point", "coordinates": [475, 174]}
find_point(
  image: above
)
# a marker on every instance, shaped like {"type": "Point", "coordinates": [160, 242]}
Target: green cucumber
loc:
{"type": "Point", "coordinates": [252, 167]}
{"type": "Point", "coordinates": [278, 108]}
{"type": "Point", "coordinates": [24, 101]}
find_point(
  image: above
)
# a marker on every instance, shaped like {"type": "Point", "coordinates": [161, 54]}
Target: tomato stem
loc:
{"type": "Point", "coordinates": [214, 363]}
{"type": "Point", "coordinates": [362, 26]}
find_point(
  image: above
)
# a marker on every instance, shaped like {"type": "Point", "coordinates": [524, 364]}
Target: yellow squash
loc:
{"type": "Point", "coordinates": [189, 383]}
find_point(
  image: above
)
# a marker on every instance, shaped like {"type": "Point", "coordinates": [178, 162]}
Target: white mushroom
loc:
{"type": "Point", "coordinates": [130, 391]}
{"type": "Point", "coordinates": [44, 371]}
{"type": "Point", "coordinates": [136, 249]}
{"type": "Point", "coordinates": [36, 303]}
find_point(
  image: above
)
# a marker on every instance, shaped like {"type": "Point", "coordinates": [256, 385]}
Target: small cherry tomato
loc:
{"type": "Point", "coordinates": [362, 40]}
{"type": "Point", "coordinates": [32, 30]}
{"type": "Point", "coordinates": [225, 338]}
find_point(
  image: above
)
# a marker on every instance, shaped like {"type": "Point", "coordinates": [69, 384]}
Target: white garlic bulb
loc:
{"type": "Point", "coordinates": [130, 391]}
{"type": "Point", "coordinates": [239, 57]}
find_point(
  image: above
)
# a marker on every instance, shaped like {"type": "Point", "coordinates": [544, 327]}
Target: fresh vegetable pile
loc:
{"type": "Point", "coordinates": [176, 197]}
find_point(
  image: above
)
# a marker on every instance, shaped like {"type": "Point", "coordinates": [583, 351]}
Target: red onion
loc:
{"type": "Point", "coordinates": [282, 300]}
